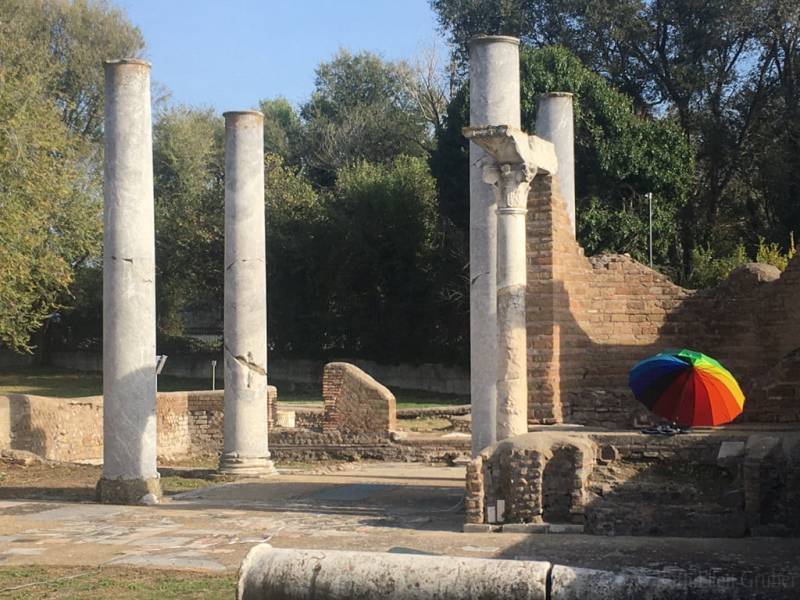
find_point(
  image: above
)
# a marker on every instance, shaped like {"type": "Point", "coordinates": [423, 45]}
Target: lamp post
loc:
{"type": "Point", "coordinates": [650, 210]}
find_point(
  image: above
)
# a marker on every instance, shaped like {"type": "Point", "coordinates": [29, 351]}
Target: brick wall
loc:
{"type": "Point", "coordinates": [632, 484]}
{"type": "Point", "coordinates": [591, 319]}
{"type": "Point", "coordinates": [71, 429]}
{"type": "Point", "coordinates": [54, 428]}
{"type": "Point", "coordinates": [356, 403]}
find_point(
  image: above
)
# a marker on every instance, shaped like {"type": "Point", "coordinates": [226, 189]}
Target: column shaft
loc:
{"type": "Point", "coordinates": [555, 123]}
{"type": "Point", "coordinates": [494, 100]}
{"type": "Point", "coordinates": [129, 308]}
{"type": "Point", "coordinates": [512, 352]}
{"type": "Point", "coordinates": [245, 311]}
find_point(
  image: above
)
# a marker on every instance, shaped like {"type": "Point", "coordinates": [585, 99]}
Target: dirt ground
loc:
{"type": "Point", "coordinates": [49, 525]}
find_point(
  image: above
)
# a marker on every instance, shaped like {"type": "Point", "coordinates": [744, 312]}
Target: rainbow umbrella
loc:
{"type": "Point", "coordinates": [687, 387]}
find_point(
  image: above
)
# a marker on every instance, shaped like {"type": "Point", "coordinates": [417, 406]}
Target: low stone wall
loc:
{"type": "Point", "coordinates": [64, 429]}
{"type": "Point", "coordinates": [356, 403]}
{"type": "Point", "coordinates": [724, 483]}
{"type": "Point", "coordinates": [304, 445]}
{"type": "Point", "coordinates": [54, 428]}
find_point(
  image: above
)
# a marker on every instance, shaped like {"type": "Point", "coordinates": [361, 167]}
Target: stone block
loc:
{"type": "Point", "coordinates": [526, 528]}
{"type": "Point", "coordinates": [481, 528]}
{"type": "Point", "coordinates": [730, 453]}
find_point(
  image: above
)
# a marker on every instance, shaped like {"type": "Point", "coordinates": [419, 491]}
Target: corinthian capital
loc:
{"type": "Point", "coordinates": [518, 157]}
{"type": "Point", "coordinates": [510, 183]}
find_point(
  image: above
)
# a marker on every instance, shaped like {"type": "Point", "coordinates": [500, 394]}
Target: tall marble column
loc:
{"type": "Point", "coordinates": [245, 450]}
{"type": "Point", "coordinates": [518, 158]}
{"type": "Point", "coordinates": [555, 123]}
{"type": "Point", "coordinates": [494, 98]}
{"type": "Point", "coordinates": [129, 301]}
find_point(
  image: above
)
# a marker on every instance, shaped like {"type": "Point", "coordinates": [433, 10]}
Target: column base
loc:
{"type": "Point", "coordinates": [128, 491]}
{"type": "Point", "coordinates": [246, 466]}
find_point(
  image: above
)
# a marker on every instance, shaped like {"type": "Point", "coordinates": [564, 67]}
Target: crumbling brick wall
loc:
{"type": "Point", "coordinates": [71, 429]}
{"type": "Point", "coordinates": [589, 320]}
{"type": "Point", "coordinates": [355, 402]}
{"type": "Point", "coordinates": [626, 483]}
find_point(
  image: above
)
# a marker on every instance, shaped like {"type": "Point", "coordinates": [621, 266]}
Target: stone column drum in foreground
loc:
{"type": "Point", "coordinates": [245, 313]}
{"type": "Point", "coordinates": [269, 573]}
{"type": "Point", "coordinates": [129, 300]}
{"type": "Point", "coordinates": [494, 99]}
{"type": "Point", "coordinates": [555, 123]}
{"type": "Point", "coordinates": [518, 158]}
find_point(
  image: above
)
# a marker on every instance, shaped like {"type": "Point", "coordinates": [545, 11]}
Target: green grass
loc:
{"type": "Point", "coordinates": [306, 393]}
{"type": "Point", "coordinates": [82, 583]}
{"type": "Point", "coordinates": [46, 381]}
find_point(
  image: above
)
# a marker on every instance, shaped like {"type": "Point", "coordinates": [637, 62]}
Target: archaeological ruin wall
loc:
{"type": "Point", "coordinates": [355, 403]}
{"type": "Point", "coordinates": [71, 429]}
{"type": "Point", "coordinates": [589, 320]}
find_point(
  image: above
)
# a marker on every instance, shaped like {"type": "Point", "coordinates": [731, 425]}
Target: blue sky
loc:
{"type": "Point", "coordinates": [229, 54]}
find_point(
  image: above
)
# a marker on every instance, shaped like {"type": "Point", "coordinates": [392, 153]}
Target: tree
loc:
{"type": "Point", "coordinates": [51, 213]}
{"type": "Point", "coordinates": [361, 109]}
{"type": "Point", "coordinates": [51, 86]}
{"type": "Point", "coordinates": [620, 156]}
{"type": "Point", "coordinates": [383, 275]}
{"type": "Point", "coordinates": [725, 70]}
{"type": "Point", "coordinates": [67, 42]}
{"type": "Point", "coordinates": [298, 250]}
{"type": "Point", "coordinates": [189, 195]}
{"type": "Point", "coordinates": [282, 130]}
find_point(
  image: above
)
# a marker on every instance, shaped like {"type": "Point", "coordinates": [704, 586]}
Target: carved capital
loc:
{"type": "Point", "coordinates": [510, 183]}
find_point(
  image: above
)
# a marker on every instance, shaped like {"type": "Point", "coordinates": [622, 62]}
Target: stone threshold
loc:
{"type": "Point", "coordinates": [522, 528]}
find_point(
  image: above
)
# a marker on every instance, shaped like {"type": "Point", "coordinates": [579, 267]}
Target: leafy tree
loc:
{"type": "Point", "coordinates": [382, 272]}
{"type": "Point", "coordinates": [727, 72]}
{"type": "Point", "coordinates": [298, 248]}
{"type": "Point", "coordinates": [189, 194]}
{"type": "Point", "coordinates": [67, 42]}
{"type": "Point", "coordinates": [361, 109]}
{"type": "Point", "coordinates": [51, 87]}
{"type": "Point", "coordinates": [620, 156]}
{"type": "Point", "coordinates": [51, 217]}
{"type": "Point", "coordinates": [282, 130]}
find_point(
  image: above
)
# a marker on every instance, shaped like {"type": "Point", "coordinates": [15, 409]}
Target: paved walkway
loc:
{"type": "Point", "coordinates": [374, 507]}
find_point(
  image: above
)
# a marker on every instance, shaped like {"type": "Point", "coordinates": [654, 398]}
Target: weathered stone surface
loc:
{"type": "Point", "coordinates": [555, 123]}
{"type": "Point", "coordinates": [494, 100]}
{"type": "Point", "coordinates": [129, 491]}
{"type": "Point", "coordinates": [129, 306]}
{"type": "Point", "coordinates": [730, 453]}
{"type": "Point", "coordinates": [275, 573]}
{"type": "Point", "coordinates": [517, 159]}
{"type": "Point", "coordinates": [245, 340]}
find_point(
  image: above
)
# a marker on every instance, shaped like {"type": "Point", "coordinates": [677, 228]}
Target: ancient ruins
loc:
{"type": "Point", "coordinates": [554, 444]}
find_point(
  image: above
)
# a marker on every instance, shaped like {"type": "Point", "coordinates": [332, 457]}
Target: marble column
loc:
{"type": "Point", "coordinates": [129, 300]}
{"type": "Point", "coordinates": [518, 158]}
{"type": "Point", "coordinates": [245, 450]}
{"type": "Point", "coordinates": [494, 98]}
{"type": "Point", "coordinates": [555, 123]}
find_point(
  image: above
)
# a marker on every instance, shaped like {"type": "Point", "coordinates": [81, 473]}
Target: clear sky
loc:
{"type": "Point", "coordinates": [229, 54]}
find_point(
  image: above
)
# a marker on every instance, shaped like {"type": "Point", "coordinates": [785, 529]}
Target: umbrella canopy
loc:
{"type": "Point", "coordinates": [687, 387]}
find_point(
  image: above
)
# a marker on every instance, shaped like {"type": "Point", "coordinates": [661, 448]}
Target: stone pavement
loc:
{"type": "Point", "coordinates": [373, 507]}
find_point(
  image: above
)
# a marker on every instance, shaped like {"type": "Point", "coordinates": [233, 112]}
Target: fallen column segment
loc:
{"type": "Point", "coordinates": [269, 573]}
{"type": "Point", "coordinates": [283, 574]}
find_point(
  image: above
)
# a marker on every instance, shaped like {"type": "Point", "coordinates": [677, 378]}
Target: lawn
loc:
{"type": "Point", "coordinates": [45, 381]}
{"type": "Point", "coordinates": [82, 583]}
